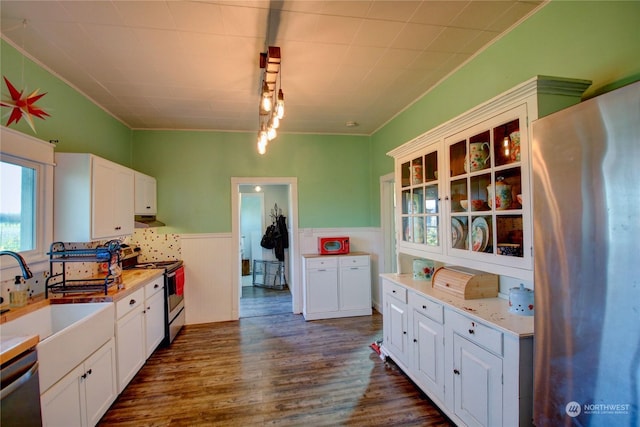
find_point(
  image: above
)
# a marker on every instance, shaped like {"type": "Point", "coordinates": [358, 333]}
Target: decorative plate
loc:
{"type": "Point", "coordinates": [479, 234]}
{"type": "Point", "coordinates": [458, 234]}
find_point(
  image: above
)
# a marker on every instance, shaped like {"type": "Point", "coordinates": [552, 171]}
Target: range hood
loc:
{"type": "Point", "coordinates": [146, 221]}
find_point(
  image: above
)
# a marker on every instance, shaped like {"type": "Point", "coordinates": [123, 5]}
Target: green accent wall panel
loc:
{"type": "Point", "coordinates": [194, 171]}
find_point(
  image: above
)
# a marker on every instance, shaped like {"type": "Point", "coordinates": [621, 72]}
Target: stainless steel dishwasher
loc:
{"type": "Point", "coordinates": [20, 391]}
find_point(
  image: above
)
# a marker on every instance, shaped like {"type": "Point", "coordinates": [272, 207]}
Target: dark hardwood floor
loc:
{"type": "Point", "coordinates": [257, 301]}
{"type": "Point", "coordinates": [273, 369]}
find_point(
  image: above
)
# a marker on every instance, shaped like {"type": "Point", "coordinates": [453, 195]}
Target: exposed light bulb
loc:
{"type": "Point", "coordinates": [271, 133]}
{"type": "Point", "coordinates": [280, 105]}
{"type": "Point", "coordinates": [266, 102]}
{"type": "Point", "coordinates": [505, 144]}
{"type": "Point", "coordinates": [262, 148]}
{"type": "Point", "coordinates": [275, 122]}
{"type": "Point", "coordinates": [262, 137]}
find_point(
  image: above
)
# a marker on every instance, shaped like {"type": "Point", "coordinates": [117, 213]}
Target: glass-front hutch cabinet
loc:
{"type": "Point", "coordinates": [464, 187]}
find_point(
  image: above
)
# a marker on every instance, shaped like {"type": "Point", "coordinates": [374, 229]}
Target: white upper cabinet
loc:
{"type": "Point", "coordinates": [465, 187]}
{"type": "Point", "coordinates": [145, 194]}
{"type": "Point", "coordinates": [93, 198]}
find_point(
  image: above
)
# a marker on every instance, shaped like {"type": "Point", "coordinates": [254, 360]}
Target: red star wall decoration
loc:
{"type": "Point", "coordinates": [23, 106]}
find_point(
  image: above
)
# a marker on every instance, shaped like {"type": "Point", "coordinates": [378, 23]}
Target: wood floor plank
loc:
{"type": "Point", "coordinates": [273, 370]}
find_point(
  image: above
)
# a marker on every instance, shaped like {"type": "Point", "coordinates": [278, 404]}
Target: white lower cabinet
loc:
{"type": "Point", "coordinates": [130, 336]}
{"type": "Point", "coordinates": [83, 396]}
{"type": "Point", "coordinates": [336, 286]}
{"type": "Point", "coordinates": [140, 328]}
{"type": "Point", "coordinates": [428, 344]}
{"type": "Point", "coordinates": [154, 314]}
{"type": "Point", "coordinates": [395, 326]}
{"type": "Point", "coordinates": [477, 384]}
{"type": "Point", "coordinates": [476, 372]}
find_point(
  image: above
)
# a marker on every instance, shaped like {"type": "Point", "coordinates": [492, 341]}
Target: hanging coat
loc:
{"type": "Point", "coordinates": [281, 237]}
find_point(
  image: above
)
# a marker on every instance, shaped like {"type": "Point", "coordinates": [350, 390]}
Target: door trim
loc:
{"type": "Point", "coordinates": [294, 256]}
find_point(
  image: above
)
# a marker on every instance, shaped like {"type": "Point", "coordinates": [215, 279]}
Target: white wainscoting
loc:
{"type": "Point", "coordinates": [211, 291]}
{"type": "Point", "coordinates": [208, 291]}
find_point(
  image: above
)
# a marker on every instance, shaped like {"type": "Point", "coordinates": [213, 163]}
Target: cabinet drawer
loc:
{"type": "Point", "coordinates": [429, 308]}
{"type": "Point", "coordinates": [483, 335]}
{"type": "Point", "coordinates": [129, 303]}
{"type": "Point", "coordinates": [354, 261]}
{"type": "Point", "coordinates": [331, 262]}
{"type": "Point", "coordinates": [395, 290]}
{"type": "Point", "coordinates": [153, 287]}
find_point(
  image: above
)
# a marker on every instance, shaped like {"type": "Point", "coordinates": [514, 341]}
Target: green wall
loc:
{"type": "Point", "coordinates": [194, 171]}
{"type": "Point", "coordinates": [76, 122]}
{"type": "Point", "coordinates": [592, 40]}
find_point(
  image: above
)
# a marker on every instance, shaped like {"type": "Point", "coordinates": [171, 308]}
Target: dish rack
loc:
{"type": "Point", "coordinates": [108, 253]}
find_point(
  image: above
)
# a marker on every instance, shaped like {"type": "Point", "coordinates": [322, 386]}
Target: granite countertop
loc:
{"type": "Point", "coordinates": [493, 311]}
{"type": "Point", "coordinates": [132, 280]}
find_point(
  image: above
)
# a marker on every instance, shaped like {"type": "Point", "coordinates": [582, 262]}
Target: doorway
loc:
{"type": "Point", "coordinates": [256, 202]}
{"type": "Point", "coordinates": [388, 222]}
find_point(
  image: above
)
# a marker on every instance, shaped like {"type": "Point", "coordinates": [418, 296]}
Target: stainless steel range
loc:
{"type": "Point", "coordinates": [174, 295]}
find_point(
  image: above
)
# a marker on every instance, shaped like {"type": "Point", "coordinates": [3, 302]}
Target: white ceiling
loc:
{"type": "Point", "coordinates": [195, 64]}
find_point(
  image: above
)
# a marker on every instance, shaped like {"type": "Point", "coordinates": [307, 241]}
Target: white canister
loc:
{"type": "Point", "coordinates": [521, 301]}
{"type": "Point", "coordinates": [423, 269]}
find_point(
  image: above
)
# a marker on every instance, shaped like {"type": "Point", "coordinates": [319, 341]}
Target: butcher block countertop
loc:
{"type": "Point", "coordinates": [132, 280]}
{"type": "Point", "coordinates": [14, 346]}
{"type": "Point", "coordinates": [494, 311]}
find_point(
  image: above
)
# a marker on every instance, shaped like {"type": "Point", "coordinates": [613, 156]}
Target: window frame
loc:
{"type": "Point", "coordinates": [24, 150]}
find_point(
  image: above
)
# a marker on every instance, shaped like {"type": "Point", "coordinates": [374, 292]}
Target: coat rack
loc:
{"type": "Point", "coordinates": [275, 213]}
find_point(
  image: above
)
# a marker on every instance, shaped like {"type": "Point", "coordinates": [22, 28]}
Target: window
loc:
{"type": "Point", "coordinates": [26, 200]}
{"type": "Point", "coordinates": [18, 205]}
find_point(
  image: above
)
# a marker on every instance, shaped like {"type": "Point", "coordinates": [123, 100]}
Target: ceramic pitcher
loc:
{"type": "Point", "coordinates": [502, 197]}
{"type": "Point", "coordinates": [479, 155]}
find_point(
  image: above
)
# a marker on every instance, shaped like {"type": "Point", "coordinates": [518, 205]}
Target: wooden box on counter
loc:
{"type": "Point", "coordinates": [466, 283]}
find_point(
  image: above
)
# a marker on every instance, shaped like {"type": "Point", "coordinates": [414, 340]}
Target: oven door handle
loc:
{"type": "Point", "coordinates": [171, 274]}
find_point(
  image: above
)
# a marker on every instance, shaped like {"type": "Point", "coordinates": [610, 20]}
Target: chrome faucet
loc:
{"type": "Point", "coordinates": [26, 273]}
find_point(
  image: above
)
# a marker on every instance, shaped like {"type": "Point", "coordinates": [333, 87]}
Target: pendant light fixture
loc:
{"type": "Point", "coordinates": [271, 107]}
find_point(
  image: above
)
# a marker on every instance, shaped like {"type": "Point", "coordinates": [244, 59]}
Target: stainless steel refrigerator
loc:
{"type": "Point", "coordinates": [586, 204]}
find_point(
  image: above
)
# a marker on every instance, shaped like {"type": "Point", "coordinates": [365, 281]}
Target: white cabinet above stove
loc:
{"type": "Point", "coordinates": [145, 194]}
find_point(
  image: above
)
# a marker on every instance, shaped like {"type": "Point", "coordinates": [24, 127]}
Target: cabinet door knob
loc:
{"type": "Point", "coordinates": [148, 207]}
{"type": "Point", "coordinates": [393, 291]}
{"type": "Point", "coordinates": [471, 331]}
{"type": "Point", "coordinates": [415, 340]}
{"type": "Point", "coordinates": [89, 371]}
{"type": "Point", "coordinates": [156, 286]}
{"type": "Point", "coordinates": [404, 332]}
{"type": "Point", "coordinates": [132, 302]}
{"type": "Point", "coordinates": [424, 307]}
{"type": "Point", "coordinates": [455, 371]}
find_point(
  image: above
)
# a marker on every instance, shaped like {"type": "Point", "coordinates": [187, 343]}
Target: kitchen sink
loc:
{"type": "Point", "coordinates": [69, 333]}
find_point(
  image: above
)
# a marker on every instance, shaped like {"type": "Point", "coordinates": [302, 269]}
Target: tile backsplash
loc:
{"type": "Point", "coordinates": [155, 246]}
